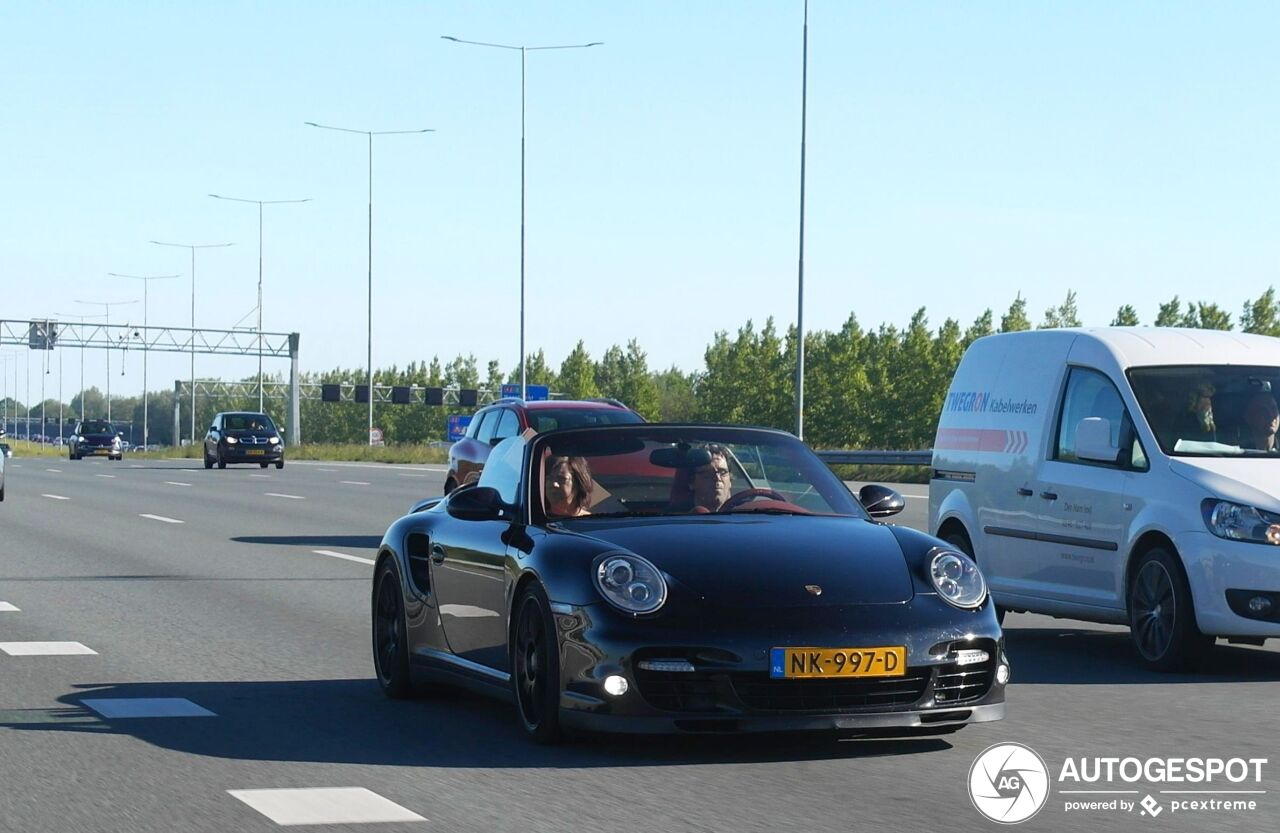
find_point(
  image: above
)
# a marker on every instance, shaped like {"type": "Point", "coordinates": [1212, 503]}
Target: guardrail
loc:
{"type": "Point", "coordinates": [877, 458]}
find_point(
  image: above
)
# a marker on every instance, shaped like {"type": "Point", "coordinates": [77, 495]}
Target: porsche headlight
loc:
{"type": "Point", "coordinates": [1238, 522]}
{"type": "Point", "coordinates": [630, 583]}
{"type": "Point", "coordinates": [231, 440]}
{"type": "Point", "coordinates": [957, 579]}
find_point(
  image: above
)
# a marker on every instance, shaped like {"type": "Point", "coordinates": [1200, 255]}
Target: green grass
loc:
{"type": "Point", "coordinates": [883, 474]}
{"type": "Point", "coordinates": [22, 448]}
{"type": "Point", "coordinates": [317, 451]}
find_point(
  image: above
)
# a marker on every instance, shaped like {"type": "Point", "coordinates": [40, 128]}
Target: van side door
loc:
{"type": "Point", "coordinates": [1083, 518]}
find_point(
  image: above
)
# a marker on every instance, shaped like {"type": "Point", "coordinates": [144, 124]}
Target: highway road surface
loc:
{"type": "Point", "coordinates": [188, 650]}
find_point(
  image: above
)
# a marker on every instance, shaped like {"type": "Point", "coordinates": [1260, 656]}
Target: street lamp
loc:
{"type": "Point", "coordinates": [82, 318]}
{"type": "Point", "coordinates": [370, 134]}
{"type": "Point", "coordinates": [106, 305]}
{"type": "Point", "coordinates": [193, 248]}
{"type": "Point", "coordinates": [259, 203]}
{"type": "Point", "coordinates": [804, 102]}
{"type": "Point", "coordinates": [522, 50]}
{"type": "Point", "coordinates": [146, 282]}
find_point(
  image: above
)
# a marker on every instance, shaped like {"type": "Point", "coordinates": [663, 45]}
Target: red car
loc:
{"type": "Point", "coordinates": [508, 417]}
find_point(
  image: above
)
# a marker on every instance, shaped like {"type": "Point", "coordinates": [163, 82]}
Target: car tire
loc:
{"type": "Point", "coordinates": [1, 494]}
{"type": "Point", "coordinates": [535, 667]}
{"type": "Point", "coordinates": [262, 465]}
{"type": "Point", "coordinates": [208, 463]}
{"type": "Point", "coordinates": [222, 464]}
{"type": "Point", "coordinates": [390, 631]}
{"type": "Point", "coordinates": [279, 464]}
{"type": "Point", "coordinates": [958, 539]}
{"type": "Point", "coordinates": [1162, 616]}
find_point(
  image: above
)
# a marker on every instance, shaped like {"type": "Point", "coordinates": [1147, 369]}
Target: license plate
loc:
{"type": "Point", "coordinates": [255, 451]}
{"type": "Point", "coordinates": [816, 663]}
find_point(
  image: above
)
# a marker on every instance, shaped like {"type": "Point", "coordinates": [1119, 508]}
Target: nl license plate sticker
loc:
{"type": "Point", "coordinates": [818, 663]}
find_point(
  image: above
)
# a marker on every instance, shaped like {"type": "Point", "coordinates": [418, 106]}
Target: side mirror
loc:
{"type": "Point", "coordinates": [481, 503]}
{"type": "Point", "coordinates": [1093, 441]}
{"type": "Point", "coordinates": [213, 428]}
{"type": "Point", "coordinates": [881, 501]}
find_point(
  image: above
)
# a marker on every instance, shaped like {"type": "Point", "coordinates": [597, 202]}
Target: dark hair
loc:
{"type": "Point", "coordinates": [583, 484]}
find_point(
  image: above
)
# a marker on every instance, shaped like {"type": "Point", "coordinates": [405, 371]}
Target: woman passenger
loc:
{"type": "Point", "coordinates": [567, 487]}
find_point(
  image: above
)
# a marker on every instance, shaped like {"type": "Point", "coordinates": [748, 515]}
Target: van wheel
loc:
{"type": "Point", "coordinates": [958, 539]}
{"type": "Point", "coordinates": [1162, 619]}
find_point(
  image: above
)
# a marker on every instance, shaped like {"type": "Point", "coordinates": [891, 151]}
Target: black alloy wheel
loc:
{"type": "Point", "coordinates": [208, 463]}
{"type": "Point", "coordinates": [390, 646]}
{"type": "Point", "coordinates": [960, 541]}
{"type": "Point", "coordinates": [1162, 620]}
{"type": "Point", "coordinates": [263, 465]}
{"type": "Point", "coordinates": [536, 667]}
{"type": "Point", "coordinates": [279, 464]}
{"type": "Point", "coordinates": [222, 464]}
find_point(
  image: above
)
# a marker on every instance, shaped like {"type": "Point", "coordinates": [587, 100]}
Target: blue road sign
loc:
{"type": "Point", "coordinates": [535, 393]}
{"type": "Point", "coordinates": [458, 426]}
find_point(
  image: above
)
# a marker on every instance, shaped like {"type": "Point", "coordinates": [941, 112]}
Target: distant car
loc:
{"type": "Point", "coordinates": [94, 438]}
{"type": "Point", "coordinates": [243, 437]}
{"type": "Point", "coordinates": [509, 417]}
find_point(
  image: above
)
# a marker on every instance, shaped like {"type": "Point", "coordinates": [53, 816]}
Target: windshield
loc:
{"type": "Point", "coordinates": [1210, 410]}
{"type": "Point", "coordinates": [247, 422]}
{"type": "Point", "coordinates": [549, 420]}
{"type": "Point", "coordinates": [683, 471]}
{"type": "Point", "coordinates": [97, 426]}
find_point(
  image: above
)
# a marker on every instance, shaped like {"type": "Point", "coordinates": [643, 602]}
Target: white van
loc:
{"type": "Point", "coordinates": [1126, 475]}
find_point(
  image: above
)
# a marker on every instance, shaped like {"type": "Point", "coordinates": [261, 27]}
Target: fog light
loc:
{"type": "Point", "coordinates": [615, 685]}
{"type": "Point", "coordinates": [1259, 604]}
{"type": "Point", "coordinates": [1002, 674]}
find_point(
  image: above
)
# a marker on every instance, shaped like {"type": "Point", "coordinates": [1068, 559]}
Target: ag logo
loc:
{"type": "Point", "coordinates": [1009, 783]}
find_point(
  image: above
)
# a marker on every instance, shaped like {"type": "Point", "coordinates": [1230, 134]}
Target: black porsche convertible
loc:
{"type": "Point", "coordinates": [683, 578]}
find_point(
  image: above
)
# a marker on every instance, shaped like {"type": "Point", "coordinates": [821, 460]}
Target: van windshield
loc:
{"type": "Point", "coordinates": [1211, 410]}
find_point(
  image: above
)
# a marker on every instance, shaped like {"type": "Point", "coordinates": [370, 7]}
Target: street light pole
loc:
{"type": "Point", "coordinates": [146, 283]}
{"type": "Point", "coordinates": [804, 101]}
{"type": "Point", "coordinates": [106, 305]}
{"type": "Point", "coordinates": [193, 248]}
{"type": "Point", "coordinates": [82, 318]}
{"type": "Point", "coordinates": [522, 50]}
{"type": "Point", "coordinates": [259, 203]}
{"type": "Point", "coordinates": [369, 346]}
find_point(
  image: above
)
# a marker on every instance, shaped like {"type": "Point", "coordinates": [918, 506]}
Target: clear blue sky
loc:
{"type": "Point", "coordinates": [959, 153]}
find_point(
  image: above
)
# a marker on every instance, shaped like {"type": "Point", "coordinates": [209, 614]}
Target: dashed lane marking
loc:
{"type": "Point", "coordinates": [55, 471]}
{"type": "Point", "coordinates": [161, 518]}
{"type": "Point", "coordinates": [122, 707]}
{"type": "Point", "coordinates": [6, 607]}
{"type": "Point", "coordinates": [324, 805]}
{"type": "Point", "coordinates": [112, 476]}
{"type": "Point", "coordinates": [44, 649]}
{"type": "Point", "coordinates": [344, 556]}
{"type": "Point", "coordinates": [355, 482]}
{"type": "Point", "coordinates": [290, 497]}
{"type": "Point", "coordinates": [175, 483]}
{"type": "Point", "coordinates": [56, 497]}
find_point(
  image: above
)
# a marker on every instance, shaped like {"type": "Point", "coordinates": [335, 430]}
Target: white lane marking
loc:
{"type": "Point", "coordinates": [260, 475]}
{"type": "Point", "coordinates": [118, 707]}
{"type": "Point", "coordinates": [354, 482]}
{"type": "Point", "coordinates": [290, 497]}
{"type": "Point", "coordinates": [135, 466]}
{"type": "Point", "coordinates": [175, 483]}
{"type": "Point", "coordinates": [407, 474]}
{"type": "Point", "coordinates": [324, 805]}
{"type": "Point", "coordinates": [343, 555]}
{"type": "Point", "coordinates": [44, 649]}
{"type": "Point", "coordinates": [330, 471]}
{"type": "Point", "coordinates": [161, 519]}
{"type": "Point", "coordinates": [55, 471]}
{"type": "Point", "coordinates": [6, 607]}
{"type": "Point", "coordinates": [112, 476]}
{"type": "Point", "coordinates": [56, 497]}
{"type": "Point", "coordinates": [378, 466]}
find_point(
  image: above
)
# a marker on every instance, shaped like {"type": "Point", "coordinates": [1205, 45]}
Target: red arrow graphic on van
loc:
{"type": "Point", "coordinates": [982, 439]}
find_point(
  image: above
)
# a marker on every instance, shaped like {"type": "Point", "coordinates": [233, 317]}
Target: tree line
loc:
{"type": "Point", "coordinates": [864, 388]}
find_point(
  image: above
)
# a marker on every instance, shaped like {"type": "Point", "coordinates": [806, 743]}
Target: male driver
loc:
{"type": "Point", "coordinates": [1261, 420]}
{"type": "Point", "coordinates": [713, 483]}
